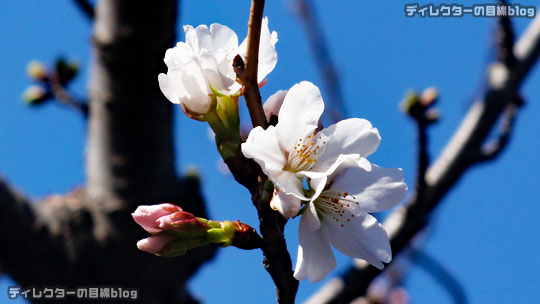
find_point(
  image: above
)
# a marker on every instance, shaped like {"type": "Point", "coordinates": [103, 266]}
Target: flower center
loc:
{"type": "Point", "coordinates": [304, 153]}
{"type": "Point", "coordinates": [337, 205]}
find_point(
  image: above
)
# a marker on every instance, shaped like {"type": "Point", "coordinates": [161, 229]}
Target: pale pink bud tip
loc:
{"type": "Point", "coordinates": [154, 243]}
{"type": "Point", "coordinates": [147, 216]}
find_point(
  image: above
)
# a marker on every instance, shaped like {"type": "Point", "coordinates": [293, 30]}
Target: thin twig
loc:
{"type": "Point", "coordinates": [86, 8]}
{"type": "Point", "coordinates": [505, 41]}
{"type": "Point", "coordinates": [423, 157]}
{"type": "Point", "coordinates": [65, 98]}
{"type": "Point", "coordinates": [323, 59]}
{"type": "Point", "coordinates": [248, 76]}
{"type": "Point", "coordinates": [458, 156]}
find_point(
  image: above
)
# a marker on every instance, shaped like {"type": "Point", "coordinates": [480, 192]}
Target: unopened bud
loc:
{"type": "Point", "coordinates": [35, 95]}
{"type": "Point", "coordinates": [175, 231]}
{"type": "Point", "coordinates": [432, 115]}
{"type": "Point", "coordinates": [411, 103]}
{"type": "Point", "coordinates": [193, 172]}
{"type": "Point", "coordinates": [36, 70]}
{"type": "Point", "coordinates": [168, 245]}
{"type": "Point", "coordinates": [429, 97]}
{"type": "Point", "coordinates": [183, 224]}
{"type": "Point", "coordinates": [148, 216]}
{"type": "Point", "coordinates": [181, 245]}
{"type": "Point", "coordinates": [66, 70]}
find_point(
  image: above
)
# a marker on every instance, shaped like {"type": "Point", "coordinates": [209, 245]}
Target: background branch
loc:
{"type": "Point", "coordinates": [65, 98]}
{"type": "Point", "coordinates": [86, 8]}
{"type": "Point", "coordinates": [88, 236]}
{"type": "Point", "coordinates": [459, 155]}
{"type": "Point", "coordinates": [323, 60]}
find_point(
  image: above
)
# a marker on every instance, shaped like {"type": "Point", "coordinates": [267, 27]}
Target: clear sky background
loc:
{"type": "Point", "coordinates": [486, 230]}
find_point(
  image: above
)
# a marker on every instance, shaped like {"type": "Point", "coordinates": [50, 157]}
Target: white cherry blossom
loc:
{"type": "Point", "coordinates": [203, 64]}
{"type": "Point", "coordinates": [296, 148]}
{"type": "Point", "coordinates": [338, 217]}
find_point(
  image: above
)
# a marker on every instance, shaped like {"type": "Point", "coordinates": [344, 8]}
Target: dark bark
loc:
{"type": "Point", "coordinates": [88, 237]}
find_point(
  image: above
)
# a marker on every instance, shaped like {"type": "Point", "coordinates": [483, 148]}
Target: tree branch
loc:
{"type": "Point", "coordinates": [277, 260]}
{"type": "Point", "coordinates": [88, 237]}
{"type": "Point", "coordinates": [459, 155]}
{"type": "Point", "coordinates": [323, 60]}
{"type": "Point", "coordinates": [422, 124]}
{"type": "Point", "coordinates": [130, 141]}
{"type": "Point", "coordinates": [86, 8]}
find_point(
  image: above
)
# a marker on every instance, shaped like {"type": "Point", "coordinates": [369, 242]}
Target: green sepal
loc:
{"type": "Point", "coordinates": [181, 246]}
{"type": "Point", "coordinates": [223, 236]}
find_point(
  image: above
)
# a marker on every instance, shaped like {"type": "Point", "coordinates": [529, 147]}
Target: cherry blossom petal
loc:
{"type": "Point", "coordinates": [289, 183]}
{"type": "Point", "coordinates": [210, 69]}
{"type": "Point", "coordinates": [350, 136]}
{"type": "Point", "coordinates": [347, 161]}
{"type": "Point", "coordinates": [361, 237]}
{"type": "Point", "coordinates": [316, 180]}
{"type": "Point", "coordinates": [262, 146]}
{"type": "Point", "coordinates": [171, 85]}
{"type": "Point", "coordinates": [222, 37]}
{"type": "Point", "coordinates": [267, 51]}
{"type": "Point", "coordinates": [192, 37]}
{"type": "Point", "coordinates": [196, 89]}
{"type": "Point", "coordinates": [376, 190]}
{"type": "Point", "coordinates": [178, 56]}
{"type": "Point", "coordinates": [312, 220]}
{"type": "Point", "coordinates": [273, 104]}
{"type": "Point", "coordinates": [319, 180]}
{"type": "Point", "coordinates": [299, 115]}
{"type": "Point", "coordinates": [286, 204]}
{"type": "Point", "coordinates": [315, 258]}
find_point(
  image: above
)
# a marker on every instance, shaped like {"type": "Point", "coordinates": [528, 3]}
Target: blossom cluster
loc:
{"type": "Point", "coordinates": [321, 174]}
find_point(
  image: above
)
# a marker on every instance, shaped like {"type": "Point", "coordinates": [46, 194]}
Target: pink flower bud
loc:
{"type": "Point", "coordinates": [147, 216]}
{"type": "Point", "coordinates": [155, 243]}
{"type": "Point", "coordinates": [183, 224]}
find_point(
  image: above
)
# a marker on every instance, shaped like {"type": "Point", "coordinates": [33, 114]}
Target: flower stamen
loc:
{"type": "Point", "coordinates": [304, 153]}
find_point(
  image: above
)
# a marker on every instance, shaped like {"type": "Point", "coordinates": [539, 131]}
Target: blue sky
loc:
{"type": "Point", "coordinates": [485, 232]}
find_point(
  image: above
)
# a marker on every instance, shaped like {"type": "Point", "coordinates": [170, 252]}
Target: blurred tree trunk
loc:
{"type": "Point", "coordinates": [88, 236]}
